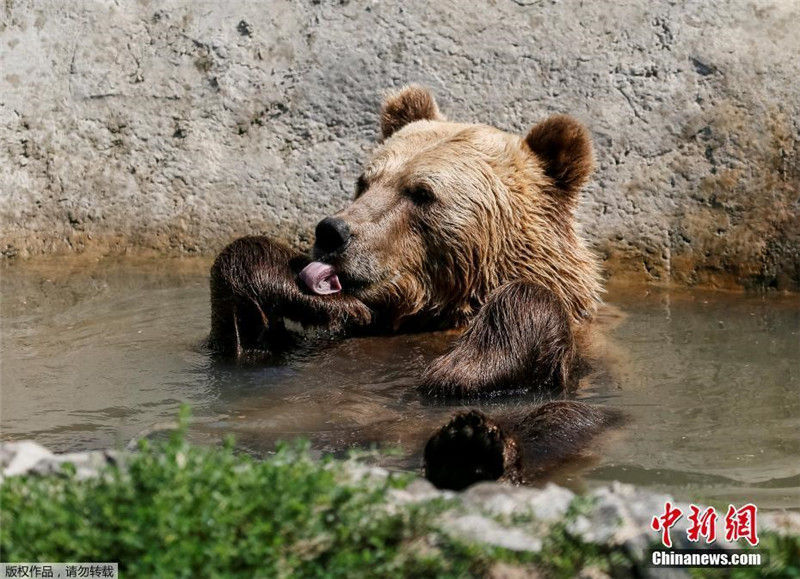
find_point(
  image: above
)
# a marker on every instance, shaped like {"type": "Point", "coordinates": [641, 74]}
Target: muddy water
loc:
{"type": "Point", "coordinates": [93, 354]}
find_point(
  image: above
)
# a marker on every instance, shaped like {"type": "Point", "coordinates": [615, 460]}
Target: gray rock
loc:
{"type": "Point", "coordinates": [547, 504]}
{"type": "Point", "coordinates": [17, 458]}
{"type": "Point", "coordinates": [180, 126]}
{"type": "Point", "coordinates": [355, 471]}
{"type": "Point", "coordinates": [479, 529]}
{"type": "Point", "coordinates": [30, 458]}
{"type": "Point", "coordinates": [620, 515]}
{"type": "Point", "coordinates": [420, 490]}
{"type": "Point", "coordinates": [87, 464]}
{"type": "Point", "coordinates": [783, 523]}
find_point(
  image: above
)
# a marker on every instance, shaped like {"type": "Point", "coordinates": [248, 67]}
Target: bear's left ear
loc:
{"type": "Point", "coordinates": [564, 147]}
{"type": "Point", "coordinates": [411, 103]}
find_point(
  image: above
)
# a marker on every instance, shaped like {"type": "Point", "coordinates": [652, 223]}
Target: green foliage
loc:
{"type": "Point", "coordinates": [178, 510]}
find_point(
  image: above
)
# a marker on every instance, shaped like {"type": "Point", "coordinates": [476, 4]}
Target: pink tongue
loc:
{"type": "Point", "coordinates": [321, 278]}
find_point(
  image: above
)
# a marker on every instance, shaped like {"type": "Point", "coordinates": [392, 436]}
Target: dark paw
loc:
{"type": "Point", "coordinates": [468, 449]}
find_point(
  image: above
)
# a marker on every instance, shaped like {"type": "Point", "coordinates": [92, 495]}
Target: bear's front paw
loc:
{"type": "Point", "coordinates": [468, 449]}
{"type": "Point", "coordinates": [355, 313]}
{"type": "Point", "coordinates": [451, 376]}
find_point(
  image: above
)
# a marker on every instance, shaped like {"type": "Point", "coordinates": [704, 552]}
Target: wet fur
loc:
{"type": "Point", "coordinates": [520, 340]}
{"type": "Point", "coordinates": [254, 287]}
{"type": "Point", "coordinates": [500, 208]}
{"type": "Point", "coordinates": [491, 245]}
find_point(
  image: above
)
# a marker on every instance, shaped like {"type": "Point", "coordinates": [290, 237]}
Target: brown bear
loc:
{"type": "Point", "coordinates": [518, 446]}
{"type": "Point", "coordinates": [453, 225]}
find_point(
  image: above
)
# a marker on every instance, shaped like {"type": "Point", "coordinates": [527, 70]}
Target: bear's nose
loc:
{"type": "Point", "coordinates": [332, 234]}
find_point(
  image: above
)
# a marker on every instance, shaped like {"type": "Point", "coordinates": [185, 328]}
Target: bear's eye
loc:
{"type": "Point", "coordinates": [361, 186]}
{"type": "Point", "coordinates": [419, 194]}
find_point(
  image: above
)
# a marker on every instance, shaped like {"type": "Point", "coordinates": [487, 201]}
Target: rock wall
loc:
{"type": "Point", "coordinates": [175, 126]}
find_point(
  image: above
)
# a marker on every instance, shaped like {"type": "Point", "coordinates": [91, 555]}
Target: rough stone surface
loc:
{"type": "Point", "coordinates": [480, 529]}
{"type": "Point", "coordinates": [87, 464]}
{"type": "Point", "coordinates": [29, 458]}
{"type": "Point", "coordinates": [548, 504]}
{"type": "Point", "coordinates": [419, 490]}
{"type": "Point", "coordinates": [17, 458]}
{"type": "Point", "coordinates": [621, 515]}
{"type": "Point", "coordinates": [179, 125]}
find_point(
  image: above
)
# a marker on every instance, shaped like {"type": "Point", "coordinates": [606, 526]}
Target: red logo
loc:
{"type": "Point", "coordinates": [704, 524]}
{"type": "Point", "coordinates": [664, 522]}
{"type": "Point", "coordinates": [739, 524]}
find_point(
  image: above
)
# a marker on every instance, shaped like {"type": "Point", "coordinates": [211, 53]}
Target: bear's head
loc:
{"type": "Point", "coordinates": [446, 212]}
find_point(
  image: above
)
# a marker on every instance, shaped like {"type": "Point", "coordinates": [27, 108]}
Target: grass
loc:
{"type": "Point", "coordinates": [178, 510]}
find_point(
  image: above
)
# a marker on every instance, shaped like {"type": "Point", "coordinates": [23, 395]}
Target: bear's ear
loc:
{"type": "Point", "coordinates": [563, 146]}
{"type": "Point", "coordinates": [411, 103]}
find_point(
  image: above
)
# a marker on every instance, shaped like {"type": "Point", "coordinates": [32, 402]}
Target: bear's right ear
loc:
{"type": "Point", "coordinates": [411, 103]}
{"type": "Point", "coordinates": [564, 147]}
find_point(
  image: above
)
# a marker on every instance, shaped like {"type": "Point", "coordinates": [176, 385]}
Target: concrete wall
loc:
{"type": "Point", "coordinates": [176, 126]}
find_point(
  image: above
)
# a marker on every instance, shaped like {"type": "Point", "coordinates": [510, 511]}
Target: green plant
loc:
{"type": "Point", "coordinates": [178, 510]}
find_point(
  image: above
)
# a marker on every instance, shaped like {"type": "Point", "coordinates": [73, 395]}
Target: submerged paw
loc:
{"type": "Point", "coordinates": [468, 449]}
